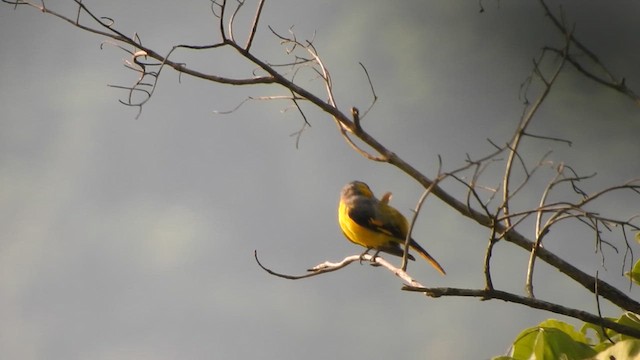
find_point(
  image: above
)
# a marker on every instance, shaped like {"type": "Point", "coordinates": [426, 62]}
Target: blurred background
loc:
{"type": "Point", "coordinates": [125, 238]}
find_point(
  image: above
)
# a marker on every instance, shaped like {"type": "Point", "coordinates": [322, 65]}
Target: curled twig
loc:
{"type": "Point", "coordinates": [327, 267]}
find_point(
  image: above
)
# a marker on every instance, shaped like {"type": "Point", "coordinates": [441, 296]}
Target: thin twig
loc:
{"type": "Point", "coordinates": [373, 90]}
{"type": "Point", "coordinates": [327, 267]}
{"type": "Point", "coordinates": [416, 212]}
{"type": "Point", "coordinates": [254, 26]}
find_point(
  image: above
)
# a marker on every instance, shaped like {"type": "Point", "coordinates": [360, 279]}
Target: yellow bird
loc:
{"type": "Point", "coordinates": [374, 224]}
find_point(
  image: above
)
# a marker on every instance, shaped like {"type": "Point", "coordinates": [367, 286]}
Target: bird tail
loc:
{"type": "Point", "coordinates": [414, 245]}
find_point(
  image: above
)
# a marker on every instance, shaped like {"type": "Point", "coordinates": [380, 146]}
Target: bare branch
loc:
{"type": "Point", "coordinates": [373, 91]}
{"type": "Point", "coordinates": [254, 26]}
{"type": "Point", "coordinates": [530, 302]}
{"type": "Point", "coordinates": [488, 282]}
{"type": "Point", "coordinates": [522, 127]}
{"type": "Point", "coordinates": [540, 233]}
{"type": "Point", "coordinates": [610, 81]}
{"type": "Point", "coordinates": [327, 267]}
{"type": "Point", "coordinates": [357, 129]}
{"type": "Point", "coordinates": [548, 138]}
{"type": "Point", "coordinates": [416, 212]}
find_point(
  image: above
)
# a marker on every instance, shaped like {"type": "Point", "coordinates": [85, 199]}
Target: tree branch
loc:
{"type": "Point", "coordinates": [327, 267]}
{"type": "Point", "coordinates": [487, 294]}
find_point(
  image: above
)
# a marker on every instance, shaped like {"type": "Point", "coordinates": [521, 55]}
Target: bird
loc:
{"type": "Point", "coordinates": [374, 224]}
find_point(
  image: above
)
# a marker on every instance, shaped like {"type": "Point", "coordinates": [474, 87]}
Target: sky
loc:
{"type": "Point", "coordinates": [134, 238]}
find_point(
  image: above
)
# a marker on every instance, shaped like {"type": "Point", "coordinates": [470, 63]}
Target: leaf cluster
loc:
{"type": "Point", "coordinates": [555, 339]}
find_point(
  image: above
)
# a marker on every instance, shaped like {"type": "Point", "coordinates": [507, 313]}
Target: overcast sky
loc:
{"type": "Point", "coordinates": [125, 238]}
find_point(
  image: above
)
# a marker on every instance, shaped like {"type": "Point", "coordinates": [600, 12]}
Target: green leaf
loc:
{"type": "Point", "coordinates": [631, 320]}
{"type": "Point", "coordinates": [628, 319]}
{"type": "Point", "coordinates": [553, 339]}
{"type": "Point", "coordinates": [596, 328]}
{"type": "Point", "coordinates": [635, 271]}
{"type": "Point", "coordinates": [602, 341]}
{"type": "Point", "coordinates": [626, 349]}
{"type": "Point", "coordinates": [566, 328]}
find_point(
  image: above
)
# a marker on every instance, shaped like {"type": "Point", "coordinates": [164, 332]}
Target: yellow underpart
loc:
{"type": "Point", "coordinates": [361, 235]}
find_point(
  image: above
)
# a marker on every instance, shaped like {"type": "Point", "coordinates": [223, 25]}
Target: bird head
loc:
{"type": "Point", "coordinates": [356, 188]}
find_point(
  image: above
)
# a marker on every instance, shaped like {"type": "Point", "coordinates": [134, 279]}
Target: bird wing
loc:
{"type": "Point", "coordinates": [378, 217]}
